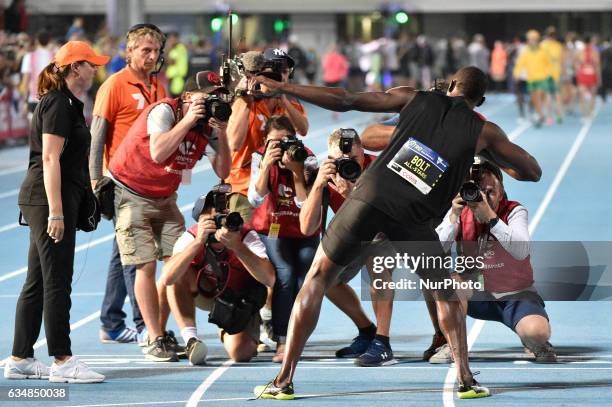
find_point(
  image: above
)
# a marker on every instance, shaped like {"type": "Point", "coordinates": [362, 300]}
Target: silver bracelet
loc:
{"type": "Point", "coordinates": [57, 217]}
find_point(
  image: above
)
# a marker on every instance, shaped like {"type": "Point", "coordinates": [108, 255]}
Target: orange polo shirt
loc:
{"type": "Point", "coordinates": [119, 101]}
{"type": "Point", "coordinates": [240, 173]}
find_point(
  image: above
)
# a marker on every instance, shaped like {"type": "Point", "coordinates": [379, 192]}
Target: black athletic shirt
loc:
{"type": "Point", "coordinates": [60, 113]}
{"type": "Point", "coordinates": [443, 124]}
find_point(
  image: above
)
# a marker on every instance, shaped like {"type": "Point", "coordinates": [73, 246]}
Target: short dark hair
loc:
{"type": "Point", "coordinates": [279, 122]}
{"type": "Point", "coordinates": [43, 37]}
{"type": "Point", "coordinates": [472, 82]}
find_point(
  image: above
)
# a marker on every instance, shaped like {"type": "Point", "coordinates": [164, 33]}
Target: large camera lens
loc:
{"type": "Point", "coordinates": [297, 153]}
{"type": "Point", "coordinates": [470, 192]}
{"type": "Point", "coordinates": [348, 168]}
{"type": "Point", "coordinates": [220, 110]}
{"type": "Point", "coordinates": [233, 221]}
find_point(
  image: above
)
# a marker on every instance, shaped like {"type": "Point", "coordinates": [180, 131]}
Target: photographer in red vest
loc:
{"type": "Point", "coordinates": [159, 151]}
{"type": "Point", "coordinates": [498, 230]}
{"type": "Point", "coordinates": [218, 261]}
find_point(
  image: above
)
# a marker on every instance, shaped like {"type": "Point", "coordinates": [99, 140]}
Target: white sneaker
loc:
{"type": "Point", "coordinates": [30, 368]}
{"type": "Point", "coordinates": [443, 355]}
{"type": "Point", "coordinates": [74, 371]}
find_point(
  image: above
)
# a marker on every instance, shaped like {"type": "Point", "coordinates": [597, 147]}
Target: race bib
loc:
{"type": "Point", "coordinates": [419, 165]}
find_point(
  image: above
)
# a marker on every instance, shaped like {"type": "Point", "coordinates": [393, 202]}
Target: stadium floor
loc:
{"type": "Point", "coordinates": [571, 202]}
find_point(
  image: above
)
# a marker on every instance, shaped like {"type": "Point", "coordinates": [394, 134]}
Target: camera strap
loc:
{"type": "Point", "coordinates": [324, 208]}
{"type": "Point", "coordinates": [219, 278]}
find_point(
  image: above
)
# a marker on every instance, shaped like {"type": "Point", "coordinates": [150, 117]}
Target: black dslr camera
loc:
{"type": "Point", "coordinates": [216, 107]}
{"type": "Point", "coordinates": [347, 167]}
{"type": "Point", "coordinates": [217, 198]}
{"type": "Point", "coordinates": [470, 190]}
{"type": "Point", "coordinates": [294, 148]}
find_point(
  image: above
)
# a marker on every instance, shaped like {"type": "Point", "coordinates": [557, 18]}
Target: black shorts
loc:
{"type": "Point", "coordinates": [357, 223]}
{"type": "Point", "coordinates": [508, 312]}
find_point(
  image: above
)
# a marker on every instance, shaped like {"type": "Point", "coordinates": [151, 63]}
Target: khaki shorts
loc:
{"type": "Point", "coordinates": [252, 328]}
{"type": "Point", "coordinates": [240, 203]}
{"type": "Point", "coordinates": [146, 228]}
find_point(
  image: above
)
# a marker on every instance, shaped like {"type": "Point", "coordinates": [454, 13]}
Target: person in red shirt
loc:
{"type": "Point", "coordinates": [371, 347]}
{"type": "Point", "coordinates": [161, 148]}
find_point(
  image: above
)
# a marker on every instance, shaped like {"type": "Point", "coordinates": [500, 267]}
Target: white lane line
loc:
{"type": "Point", "coordinates": [449, 381]}
{"type": "Point", "coordinates": [10, 193]}
{"type": "Point", "coordinates": [516, 133]}
{"type": "Point", "coordinates": [8, 227]}
{"type": "Point", "coordinates": [76, 325]}
{"type": "Point", "coordinates": [199, 392]}
{"type": "Point", "coordinates": [13, 170]}
{"type": "Point", "coordinates": [80, 248]}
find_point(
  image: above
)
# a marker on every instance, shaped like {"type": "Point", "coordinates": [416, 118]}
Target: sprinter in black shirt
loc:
{"type": "Point", "coordinates": [423, 168]}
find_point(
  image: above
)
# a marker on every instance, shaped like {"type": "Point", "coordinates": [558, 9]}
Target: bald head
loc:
{"type": "Point", "coordinates": [471, 83]}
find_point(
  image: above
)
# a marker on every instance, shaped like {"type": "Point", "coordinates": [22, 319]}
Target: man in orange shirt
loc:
{"type": "Point", "coordinates": [119, 101]}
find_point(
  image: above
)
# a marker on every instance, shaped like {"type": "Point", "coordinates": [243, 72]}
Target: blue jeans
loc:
{"type": "Point", "coordinates": [119, 283]}
{"type": "Point", "coordinates": [291, 259]}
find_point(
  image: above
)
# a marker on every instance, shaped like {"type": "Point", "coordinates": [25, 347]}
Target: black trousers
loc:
{"type": "Point", "coordinates": [46, 291]}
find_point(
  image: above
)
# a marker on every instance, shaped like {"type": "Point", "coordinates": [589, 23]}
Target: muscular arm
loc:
{"type": "Point", "coordinates": [297, 118]}
{"type": "Point", "coordinates": [238, 124]}
{"type": "Point", "coordinates": [493, 144]}
{"type": "Point", "coordinates": [179, 263]}
{"type": "Point", "coordinates": [222, 160]}
{"type": "Point", "coordinates": [377, 136]}
{"type": "Point", "coordinates": [341, 100]}
{"type": "Point", "coordinates": [162, 145]}
{"type": "Point", "coordinates": [99, 127]}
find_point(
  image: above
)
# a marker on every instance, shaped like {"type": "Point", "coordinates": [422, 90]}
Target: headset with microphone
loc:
{"type": "Point", "coordinates": [160, 59]}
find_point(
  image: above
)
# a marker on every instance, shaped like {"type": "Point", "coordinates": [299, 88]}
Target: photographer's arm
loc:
{"type": "Point", "coordinates": [493, 144]}
{"type": "Point", "coordinates": [99, 127]}
{"type": "Point", "coordinates": [297, 118]}
{"type": "Point", "coordinates": [179, 263]}
{"type": "Point", "coordinates": [310, 213]}
{"type": "Point", "coordinates": [238, 124]}
{"type": "Point", "coordinates": [514, 236]}
{"type": "Point", "coordinates": [221, 161]}
{"type": "Point", "coordinates": [259, 267]}
{"type": "Point", "coordinates": [165, 136]}
{"type": "Point", "coordinates": [341, 100]}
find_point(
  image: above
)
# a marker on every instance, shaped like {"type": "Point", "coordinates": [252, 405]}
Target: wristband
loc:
{"type": "Point", "coordinates": [493, 222]}
{"type": "Point", "coordinates": [56, 217]}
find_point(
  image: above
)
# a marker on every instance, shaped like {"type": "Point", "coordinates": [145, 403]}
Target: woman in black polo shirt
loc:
{"type": "Point", "coordinates": [49, 199]}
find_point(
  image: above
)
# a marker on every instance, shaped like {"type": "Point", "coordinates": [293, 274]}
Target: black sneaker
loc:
{"type": "Point", "coordinates": [196, 352]}
{"type": "Point", "coordinates": [158, 351]}
{"type": "Point", "coordinates": [357, 347]}
{"type": "Point", "coordinates": [377, 354]}
{"type": "Point", "coordinates": [173, 344]}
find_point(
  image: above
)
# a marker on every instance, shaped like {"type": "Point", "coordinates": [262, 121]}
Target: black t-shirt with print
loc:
{"type": "Point", "coordinates": [59, 113]}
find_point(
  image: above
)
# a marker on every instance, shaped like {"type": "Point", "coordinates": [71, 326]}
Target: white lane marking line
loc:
{"type": "Point", "coordinates": [80, 248]}
{"type": "Point", "coordinates": [76, 325]}
{"type": "Point", "coordinates": [199, 392]}
{"type": "Point", "coordinates": [449, 381]}
{"type": "Point", "coordinates": [10, 193]}
{"type": "Point", "coordinates": [8, 227]}
{"type": "Point", "coordinates": [516, 133]}
{"type": "Point", "coordinates": [13, 170]}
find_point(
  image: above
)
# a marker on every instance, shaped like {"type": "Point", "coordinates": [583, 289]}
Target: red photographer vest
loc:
{"type": "Point", "coordinates": [279, 205]}
{"type": "Point", "coordinates": [335, 199]}
{"type": "Point", "coordinates": [133, 166]}
{"type": "Point", "coordinates": [502, 272]}
{"type": "Point", "coordinates": [239, 278]}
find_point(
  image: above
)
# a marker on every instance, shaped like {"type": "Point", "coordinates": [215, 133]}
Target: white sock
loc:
{"type": "Point", "coordinates": [189, 332]}
{"type": "Point", "coordinates": [265, 313]}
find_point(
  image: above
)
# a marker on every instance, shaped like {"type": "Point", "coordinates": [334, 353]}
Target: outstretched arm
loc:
{"type": "Point", "coordinates": [376, 136]}
{"type": "Point", "coordinates": [341, 100]}
{"type": "Point", "coordinates": [493, 144]}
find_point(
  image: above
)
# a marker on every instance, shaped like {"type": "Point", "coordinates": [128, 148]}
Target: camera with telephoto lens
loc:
{"type": "Point", "coordinates": [218, 199]}
{"type": "Point", "coordinates": [216, 107]}
{"type": "Point", "coordinates": [470, 190]}
{"type": "Point", "coordinates": [294, 148]}
{"type": "Point", "coordinates": [346, 167]}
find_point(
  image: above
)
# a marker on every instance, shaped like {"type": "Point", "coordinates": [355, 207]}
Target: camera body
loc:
{"type": "Point", "coordinates": [347, 167]}
{"type": "Point", "coordinates": [217, 198]}
{"type": "Point", "coordinates": [470, 190]}
{"type": "Point", "coordinates": [216, 107]}
{"type": "Point", "coordinates": [232, 221]}
{"type": "Point", "coordinates": [294, 148]}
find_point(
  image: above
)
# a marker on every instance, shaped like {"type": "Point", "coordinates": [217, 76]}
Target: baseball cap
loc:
{"type": "Point", "coordinates": [277, 53]}
{"type": "Point", "coordinates": [205, 81]}
{"type": "Point", "coordinates": [76, 51]}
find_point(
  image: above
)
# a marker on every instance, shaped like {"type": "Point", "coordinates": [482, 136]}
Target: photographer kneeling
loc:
{"type": "Point", "coordinates": [219, 265]}
{"type": "Point", "coordinates": [483, 222]}
{"type": "Point", "coordinates": [280, 174]}
{"type": "Point", "coordinates": [160, 149]}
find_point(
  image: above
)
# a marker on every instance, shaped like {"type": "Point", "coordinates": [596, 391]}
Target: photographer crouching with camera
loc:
{"type": "Point", "coordinates": [219, 265]}
{"type": "Point", "coordinates": [483, 222]}
{"type": "Point", "coordinates": [280, 173]}
{"type": "Point", "coordinates": [334, 182]}
{"type": "Point", "coordinates": [159, 151]}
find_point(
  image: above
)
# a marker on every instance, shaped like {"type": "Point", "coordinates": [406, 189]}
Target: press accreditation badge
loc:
{"type": "Point", "coordinates": [419, 165]}
{"type": "Point", "coordinates": [274, 231]}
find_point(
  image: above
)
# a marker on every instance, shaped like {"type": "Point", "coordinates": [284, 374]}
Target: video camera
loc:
{"type": "Point", "coordinates": [470, 190]}
{"type": "Point", "coordinates": [347, 167]}
{"type": "Point", "coordinates": [217, 198]}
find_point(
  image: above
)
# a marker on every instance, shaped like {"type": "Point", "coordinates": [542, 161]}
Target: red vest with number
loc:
{"type": "Point", "coordinates": [279, 205]}
{"type": "Point", "coordinates": [239, 278]}
{"type": "Point", "coordinates": [502, 272]}
{"type": "Point", "coordinates": [133, 166]}
{"type": "Point", "coordinates": [335, 199]}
